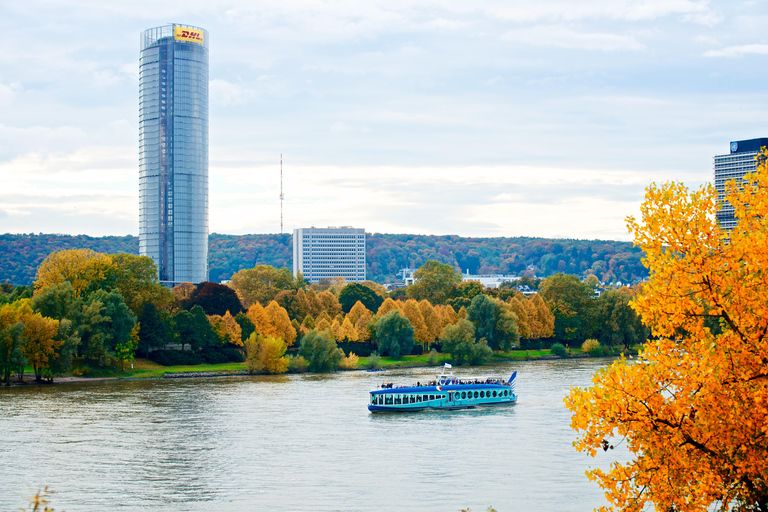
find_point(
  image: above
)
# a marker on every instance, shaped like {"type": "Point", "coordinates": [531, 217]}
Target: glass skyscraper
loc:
{"type": "Point", "coordinates": [173, 152]}
{"type": "Point", "coordinates": [733, 166]}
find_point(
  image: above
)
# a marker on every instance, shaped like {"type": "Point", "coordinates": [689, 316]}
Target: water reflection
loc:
{"type": "Point", "coordinates": [293, 442]}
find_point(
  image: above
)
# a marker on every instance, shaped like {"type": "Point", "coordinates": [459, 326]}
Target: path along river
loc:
{"type": "Point", "coordinates": [294, 442]}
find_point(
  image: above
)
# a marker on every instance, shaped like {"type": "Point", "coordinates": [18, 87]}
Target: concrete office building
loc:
{"type": "Point", "coordinates": [173, 152]}
{"type": "Point", "coordinates": [734, 165]}
{"type": "Point", "coordinates": [325, 253]}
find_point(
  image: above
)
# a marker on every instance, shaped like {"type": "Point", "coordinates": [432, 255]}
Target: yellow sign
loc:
{"type": "Point", "coordinates": [189, 34]}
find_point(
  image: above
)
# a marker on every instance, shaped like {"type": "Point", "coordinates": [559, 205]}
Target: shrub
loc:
{"type": "Point", "coordinates": [373, 362]}
{"type": "Point", "coordinates": [175, 357]}
{"type": "Point", "coordinates": [434, 358]}
{"type": "Point", "coordinates": [349, 362]}
{"type": "Point", "coordinates": [558, 349]}
{"type": "Point", "coordinates": [591, 347]}
{"type": "Point", "coordinates": [297, 364]}
{"type": "Point", "coordinates": [607, 351]}
{"type": "Point", "coordinates": [233, 355]}
{"type": "Point", "coordinates": [213, 355]}
{"type": "Point", "coordinates": [265, 355]}
{"type": "Point", "coordinates": [320, 350]}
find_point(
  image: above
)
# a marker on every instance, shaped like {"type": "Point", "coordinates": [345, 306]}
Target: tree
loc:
{"type": "Point", "coordinates": [215, 299]}
{"type": "Point", "coordinates": [246, 326]}
{"type": "Point", "coordinates": [154, 330]}
{"type": "Point", "coordinates": [692, 411]}
{"type": "Point", "coordinates": [320, 350]}
{"type": "Point", "coordinates": [412, 312]}
{"type": "Point", "coordinates": [517, 303]}
{"type": "Point", "coordinates": [460, 295]}
{"type": "Point", "coordinates": [106, 321]}
{"type": "Point", "coordinates": [41, 341]}
{"type": "Point", "coordinates": [330, 303]}
{"type": "Point", "coordinates": [544, 324]}
{"type": "Point", "coordinates": [85, 270]}
{"type": "Point", "coordinates": [459, 341]}
{"type": "Point", "coordinates": [227, 330]}
{"type": "Point", "coordinates": [387, 306]}
{"type": "Point", "coordinates": [11, 340]}
{"type": "Point", "coordinates": [354, 292]}
{"type": "Point", "coordinates": [394, 335]}
{"type": "Point", "coordinates": [573, 304]}
{"type": "Point", "coordinates": [135, 278]}
{"type": "Point", "coordinates": [265, 355]}
{"type": "Point", "coordinates": [432, 281]}
{"type": "Point", "coordinates": [124, 352]}
{"type": "Point", "coordinates": [619, 324]}
{"type": "Point", "coordinates": [193, 328]}
{"type": "Point", "coordinates": [262, 283]}
{"type": "Point", "coordinates": [432, 320]}
{"type": "Point", "coordinates": [278, 317]}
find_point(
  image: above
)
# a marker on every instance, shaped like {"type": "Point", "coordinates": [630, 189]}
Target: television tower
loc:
{"type": "Point", "coordinates": [281, 193]}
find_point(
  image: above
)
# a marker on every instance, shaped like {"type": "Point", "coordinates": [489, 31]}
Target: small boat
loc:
{"type": "Point", "coordinates": [446, 392]}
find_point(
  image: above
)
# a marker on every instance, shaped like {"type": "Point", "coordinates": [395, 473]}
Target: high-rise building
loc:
{"type": "Point", "coordinates": [740, 161]}
{"type": "Point", "coordinates": [325, 253]}
{"type": "Point", "coordinates": [173, 152]}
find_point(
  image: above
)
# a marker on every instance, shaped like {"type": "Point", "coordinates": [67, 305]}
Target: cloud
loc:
{"type": "Point", "coordinates": [564, 37]}
{"type": "Point", "coordinates": [226, 93]}
{"type": "Point", "coordinates": [739, 51]}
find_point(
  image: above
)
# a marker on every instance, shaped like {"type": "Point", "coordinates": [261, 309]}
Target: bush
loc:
{"type": "Point", "coordinates": [373, 362]}
{"type": "Point", "coordinates": [434, 358]}
{"type": "Point", "coordinates": [349, 362]}
{"type": "Point", "coordinates": [417, 350]}
{"type": "Point", "coordinates": [175, 357]}
{"type": "Point", "coordinates": [591, 347]}
{"type": "Point", "coordinates": [266, 355]}
{"type": "Point", "coordinates": [213, 355]}
{"type": "Point", "coordinates": [320, 350]}
{"type": "Point", "coordinates": [607, 351]}
{"type": "Point", "coordinates": [233, 355]}
{"type": "Point", "coordinates": [297, 364]}
{"type": "Point", "coordinates": [558, 349]}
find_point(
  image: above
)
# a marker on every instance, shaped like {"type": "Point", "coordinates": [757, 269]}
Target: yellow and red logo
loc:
{"type": "Point", "coordinates": [189, 34]}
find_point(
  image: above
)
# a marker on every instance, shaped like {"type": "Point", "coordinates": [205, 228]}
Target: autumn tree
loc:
{"type": "Point", "coordinates": [262, 283]}
{"type": "Point", "coordinates": [226, 329]}
{"type": "Point", "coordinates": [265, 355]}
{"type": "Point", "coordinates": [41, 341]}
{"type": "Point", "coordinates": [85, 270]}
{"type": "Point", "coordinates": [433, 281]}
{"type": "Point", "coordinates": [278, 317]}
{"type": "Point", "coordinates": [618, 324]}
{"type": "Point", "coordinates": [573, 304]}
{"type": "Point", "coordinates": [692, 411]}
{"type": "Point", "coordinates": [214, 298]}
{"type": "Point", "coordinates": [432, 320]}
{"type": "Point", "coordinates": [354, 292]}
{"type": "Point", "coordinates": [387, 306]}
{"type": "Point", "coordinates": [11, 341]}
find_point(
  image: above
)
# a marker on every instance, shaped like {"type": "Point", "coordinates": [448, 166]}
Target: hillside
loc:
{"type": "Point", "coordinates": [386, 254]}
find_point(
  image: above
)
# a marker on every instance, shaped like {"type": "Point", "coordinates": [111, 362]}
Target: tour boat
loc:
{"type": "Point", "coordinates": [446, 392]}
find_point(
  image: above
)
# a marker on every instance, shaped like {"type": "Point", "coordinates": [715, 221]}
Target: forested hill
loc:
{"type": "Point", "coordinates": [386, 254]}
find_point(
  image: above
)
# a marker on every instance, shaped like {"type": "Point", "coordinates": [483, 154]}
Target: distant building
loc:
{"type": "Point", "coordinates": [173, 152]}
{"type": "Point", "coordinates": [325, 253]}
{"type": "Point", "coordinates": [734, 165]}
{"type": "Point", "coordinates": [490, 280]}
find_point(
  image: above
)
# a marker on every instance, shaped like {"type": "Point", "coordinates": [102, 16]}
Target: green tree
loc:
{"type": "Point", "coordinates": [246, 326]}
{"type": "Point", "coordinates": [193, 328]}
{"type": "Point", "coordinates": [433, 281]}
{"type": "Point", "coordinates": [106, 321]}
{"type": "Point", "coordinates": [619, 323]}
{"type": "Point", "coordinates": [154, 330]}
{"type": "Point", "coordinates": [573, 304]}
{"type": "Point", "coordinates": [321, 351]}
{"type": "Point", "coordinates": [459, 341]}
{"type": "Point", "coordinates": [354, 292]}
{"type": "Point", "coordinates": [461, 294]}
{"type": "Point", "coordinates": [394, 335]}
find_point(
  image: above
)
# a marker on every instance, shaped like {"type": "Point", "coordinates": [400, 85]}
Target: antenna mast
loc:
{"type": "Point", "coordinates": [281, 193]}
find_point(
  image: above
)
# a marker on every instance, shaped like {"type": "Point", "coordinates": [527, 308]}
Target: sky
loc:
{"type": "Point", "coordinates": [482, 118]}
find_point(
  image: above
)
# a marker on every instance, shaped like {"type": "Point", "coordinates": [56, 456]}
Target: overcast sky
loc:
{"type": "Point", "coordinates": [484, 118]}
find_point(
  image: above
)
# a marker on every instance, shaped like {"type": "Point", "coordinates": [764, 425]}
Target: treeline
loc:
{"type": "Point", "coordinates": [386, 254]}
{"type": "Point", "coordinates": [105, 309]}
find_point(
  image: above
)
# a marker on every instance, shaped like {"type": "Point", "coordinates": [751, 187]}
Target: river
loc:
{"type": "Point", "coordinates": [294, 443]}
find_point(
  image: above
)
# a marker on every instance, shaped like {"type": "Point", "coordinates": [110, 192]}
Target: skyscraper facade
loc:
{"type": "Point", "coordinates": [325, 253]}
{"type": "Point", "coordinates": [173, 152]}
{"type": "Point", "coordinates": [734, 165]}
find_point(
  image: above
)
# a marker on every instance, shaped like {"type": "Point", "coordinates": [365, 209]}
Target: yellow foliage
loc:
{"type": "Point", "coordinates": [349, 362]}
{"type": "Point", "coordinates": [227, 329]}
{"type": "Point", "coordinates": [412, 312]}
{"type": "Point", "coordinates": [387, 306]}
{"type": "Point", "coordinates": [361, 326]}
{"type": "Point", "coordinates": [330, 303]}
{"type": "Point", "coordinates": [448, 315]}
{"type": "Point", "coordinates": [83, 268]}
{"type": "Point", "coordinates": [258, 316]}
{"type": "Point", "coordinates": [356, 312]}
{"type": "Point", "coordinates": [432, 320]}
{"type": "Point", "coordinates": [347, 331]}
{"type": "Point", "coordinates": [693, 411]}
{"type": "Point", "coordinates": [590, 346]}
{"type": "Point", "coordinates": [265, 355]}
{"type": "Point", "coordinates": [323, 325]}
{"type": "Point", "coordinates": [40, 347]}
{"type": "Point", "coordinates": [281, 322]}
{"type": "Point", "coordinates": [518, 305]}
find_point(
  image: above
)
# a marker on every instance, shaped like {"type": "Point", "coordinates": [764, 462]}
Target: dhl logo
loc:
{"type": "Point", "coordinates": [189, 34]}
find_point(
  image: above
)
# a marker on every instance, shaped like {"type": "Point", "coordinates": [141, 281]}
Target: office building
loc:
{"type": "Point", "coordinates": [173, 152]}
{"type": "Point", "coordinates": [734, 165]}
{"type": "Point", "coordinates": [325, 253]}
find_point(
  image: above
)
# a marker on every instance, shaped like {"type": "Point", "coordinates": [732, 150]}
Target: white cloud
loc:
{"type": "Point", "coordinates": [226, 93]}
{"type": "Point", "coordinates": [564, 37]}
{"type": "Point", "coordinates": [739, 51]}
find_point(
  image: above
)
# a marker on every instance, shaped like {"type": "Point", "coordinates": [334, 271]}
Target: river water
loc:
{"type": "Point", "coordinates": [294, 443]}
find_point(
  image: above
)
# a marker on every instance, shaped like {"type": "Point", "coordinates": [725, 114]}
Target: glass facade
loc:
{"type": "Point", "coordinates": [173, 152]}
{"type": "Point", "coordinates": [733, 166]}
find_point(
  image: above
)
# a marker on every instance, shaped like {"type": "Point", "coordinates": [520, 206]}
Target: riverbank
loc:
{"type": "Point", "coordinates": [146, 369]}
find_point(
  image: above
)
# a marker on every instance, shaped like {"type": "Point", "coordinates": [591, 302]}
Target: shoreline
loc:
{"type": "Point", "coordinates": [29, 379]}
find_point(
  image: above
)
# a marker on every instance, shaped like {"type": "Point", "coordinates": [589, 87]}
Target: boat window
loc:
{"type": "Point", "coordinates": [463, 394]}
{"type": "Point", "coordinates": [418, 398]}
{"type": "Point", "coordinates": [494, 394]}
{"type": "Point", "coordinates": [476, 394]}
{"type": "Point", "coordinates": [426, 398]}
{"type": "Point", "coordinates": [388, 399]}
{"type": "Point", "coordinates": [505, 392]}
{"type": "Point", "coordinates": [482, 394]}
{"type": "Point", "coordinates": [413, 399]}
{"type": "Point", "coordinates": [398, 400]}
{"type": "Point", "coordinates": [431, 397]}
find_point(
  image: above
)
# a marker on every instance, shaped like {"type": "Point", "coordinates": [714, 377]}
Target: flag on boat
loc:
{"type": "Point", "coordinates": [439, 388]}
{"type": "Point", "coordinates": [448, 366]}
